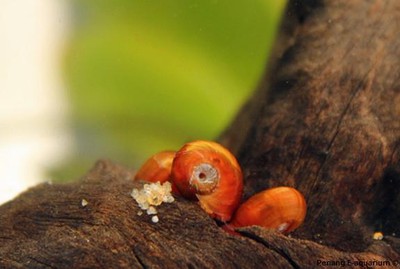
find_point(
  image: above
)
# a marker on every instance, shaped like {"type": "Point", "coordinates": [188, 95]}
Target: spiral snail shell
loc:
{"type": "Point", "coordinates": [280, 208]}
{"type": "Point", "coordinates": [209, 172]}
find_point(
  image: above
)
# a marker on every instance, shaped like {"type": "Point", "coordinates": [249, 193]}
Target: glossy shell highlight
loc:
{"type": "Point", "coordinates": [209, 172]}
{"type": "Point", "coordinates": [280, 208]}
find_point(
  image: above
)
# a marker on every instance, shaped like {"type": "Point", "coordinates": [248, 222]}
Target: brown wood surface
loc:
{"type": "Point", "coordinates": [47, 227]}
{"type": "Point", "coordinates": [329, 120]}
{"type": "Point", "coordinates": [325, 120]}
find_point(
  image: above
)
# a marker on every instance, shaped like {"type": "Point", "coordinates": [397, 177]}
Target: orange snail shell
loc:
{"type": "Point", "coordinates": [157, 169]}
{"type": "Point", "coordinates": [209, 172]}
{"type": "Point", "coordinates": [280, 208]}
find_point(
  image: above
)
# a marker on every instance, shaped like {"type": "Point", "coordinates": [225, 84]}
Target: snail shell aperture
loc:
{"type": "Point", "coordinates": [209, 172]}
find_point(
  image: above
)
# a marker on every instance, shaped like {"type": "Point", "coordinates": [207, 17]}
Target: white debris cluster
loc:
{"type": "Point", "coordinates": [152, 195]}
{"type": "Point", "coordinates": [84, 202]}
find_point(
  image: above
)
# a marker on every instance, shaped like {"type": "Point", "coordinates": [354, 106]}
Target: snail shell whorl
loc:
{"type": "Point", "coordinates": [207, 171]}
{"type": "Point", "coordinates": [204, 178]}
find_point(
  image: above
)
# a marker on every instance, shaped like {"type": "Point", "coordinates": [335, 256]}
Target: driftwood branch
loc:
{"type": "Point", "coordinates": [328, 124]}
{"type": "Point", "coordinates": [48, 227]}
{"type": "Point", "coordinates": [325, 120]}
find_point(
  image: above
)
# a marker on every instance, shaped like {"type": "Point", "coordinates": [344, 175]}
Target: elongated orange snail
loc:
{"type": "Point", "coordinates": [207, 171]}
{"type": "Point", "coordinates": [280, 208]}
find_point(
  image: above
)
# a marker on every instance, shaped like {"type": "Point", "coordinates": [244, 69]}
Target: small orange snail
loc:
{"type": "Point", "coordinates": [280, 208]}
{"type": "Point", "coordinates": [157, 167]}
{"type": "Point", "coordinates": [209, 172]}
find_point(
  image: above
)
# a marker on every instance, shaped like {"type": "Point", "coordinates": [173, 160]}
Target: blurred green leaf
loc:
{"type": "Point", "coordinates": [145, 76]}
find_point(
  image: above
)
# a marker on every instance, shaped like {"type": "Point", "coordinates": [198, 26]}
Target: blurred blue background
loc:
{"type": "Point", "coordinates": [137, 77]}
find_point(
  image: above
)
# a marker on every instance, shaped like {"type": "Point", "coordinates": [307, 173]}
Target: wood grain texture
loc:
{"type": "Point", "coordinates": [47, 227]}
{"type": "Point", "coordinates": [329, 124]}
